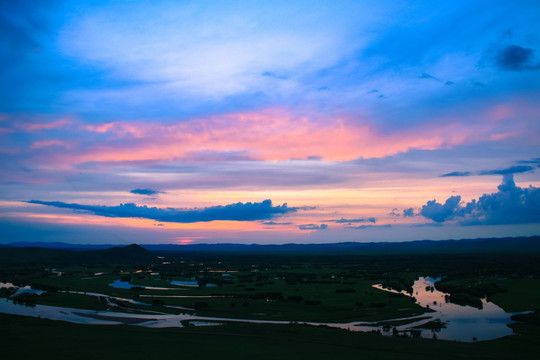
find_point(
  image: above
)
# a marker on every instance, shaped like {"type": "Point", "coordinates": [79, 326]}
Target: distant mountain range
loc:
{"type": "Point", "coordinates": [35, 254]}
{"type": "Point", "coordinates": [103, 251]}
{"type": "Point", "coordinates": [491, 245]}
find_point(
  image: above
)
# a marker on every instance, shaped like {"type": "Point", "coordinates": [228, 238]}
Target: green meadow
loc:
{"type": "Point", "coordinates": [288, 287]}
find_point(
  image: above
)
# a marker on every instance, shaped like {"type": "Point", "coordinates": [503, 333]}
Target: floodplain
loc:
{"type": "Point", "coordinates": [272, 305]}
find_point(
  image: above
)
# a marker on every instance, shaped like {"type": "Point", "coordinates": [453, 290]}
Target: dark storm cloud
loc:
{"type": "Point", "coordinates": [516, 58]}
{"type": "Point", "coordinates": [313, 227]}
{"type": "Point", "coordinates": [237, 212]}
{"type": "Point", "coordinates": [145, 192]}
{"type": "Point", "coordinates": [510, 205]}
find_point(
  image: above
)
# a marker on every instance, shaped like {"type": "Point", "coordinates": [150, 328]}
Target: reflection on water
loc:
{"type": "Point", "coordinates": [461, 323]}
{"type": "Point", "coordinates": [27, 290]}
{"type": "Point", "coordinates": [204, 323]}
{"type": "Point", "coordinates": [20, 289]}
{"type": "Point", "coordinates": [185, 283]}
{"type": "Point", "coordinates": [119, 284]}
{"type": "Point", "coordinates": [189, 283]}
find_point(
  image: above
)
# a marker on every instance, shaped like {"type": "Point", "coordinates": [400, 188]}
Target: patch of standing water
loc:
{"type": "Point", "coordinates": [204, 323]}
{"type": "Point", "coordinates": [462, 323]}
{"type": "Point", "coordinates": [185, 283]}
{"type": "Point", "coordinates": [27, 290]}
{"type": "Point", "coordinates": [119, 284]}
{"type": "Point", "coordinates": [189, 283]}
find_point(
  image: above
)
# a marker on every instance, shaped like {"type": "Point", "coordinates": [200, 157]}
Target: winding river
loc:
{"type": "Point", "coordinates": [461, 323]}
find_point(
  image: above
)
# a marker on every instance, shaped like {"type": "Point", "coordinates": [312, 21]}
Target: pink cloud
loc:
{"type": "Point", "coordinates": [503, 136]}
{"type": "Point", "coordinates": [276, 134]}
{"type": "Point", "coordinates": [58, 124]}
{"type": "Point", "coordinates": [47, 143]}
{"type": "Point", "coordinates": [123, 129]}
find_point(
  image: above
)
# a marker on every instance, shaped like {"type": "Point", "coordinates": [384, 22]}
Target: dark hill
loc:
{"type": "Point", "coordinates": [128, 254]}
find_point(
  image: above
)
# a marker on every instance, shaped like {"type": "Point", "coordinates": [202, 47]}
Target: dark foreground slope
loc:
{"type": "Point", "coordinates": [30, 338]}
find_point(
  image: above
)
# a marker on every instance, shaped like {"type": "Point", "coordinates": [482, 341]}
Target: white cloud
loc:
{"type": "Point", "coordinates": [215, 51]}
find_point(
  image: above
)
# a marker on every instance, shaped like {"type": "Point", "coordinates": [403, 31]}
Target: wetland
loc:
{"type": "Point", "coordinates": [436, 299]}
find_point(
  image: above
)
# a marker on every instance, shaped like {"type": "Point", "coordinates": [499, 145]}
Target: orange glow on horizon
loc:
{"type": "Point", "coordinates": [184, 241]}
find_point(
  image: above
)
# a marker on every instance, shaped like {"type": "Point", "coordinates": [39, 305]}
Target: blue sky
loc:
{"type": "Point", "coordinates": [410, 114]}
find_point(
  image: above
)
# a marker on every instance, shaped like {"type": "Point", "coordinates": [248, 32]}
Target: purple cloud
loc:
{"type": "Point", "coordinates": [349, 221]}
{"type": "Point", "coordinates": [408, 212]}
{"type": "Point", "coordinates": [237, 212]}
{"type": "Point", "coordinates": [145, 192]}
{"type": "Point", "coordinates": [276, 223]}
{"type": "Point", "coordinates": [441, 212]}
{"type": "Point", "coordinates": [510, 205]}
{"type": "Point", "coordinates": [457, 173]}
{"type": "Point", "coordinates": [511, 170]}
{"type": "Point", "coordinates": [313, 227]}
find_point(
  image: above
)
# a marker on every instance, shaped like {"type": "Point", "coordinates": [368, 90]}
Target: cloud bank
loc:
{"type": "Point", "coordinates": [510, 205]}
{"type": "Point", "coordinates": [248, 211]}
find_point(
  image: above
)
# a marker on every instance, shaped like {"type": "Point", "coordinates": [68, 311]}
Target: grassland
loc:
{"type": "Point", "coordinates": [289, 287]}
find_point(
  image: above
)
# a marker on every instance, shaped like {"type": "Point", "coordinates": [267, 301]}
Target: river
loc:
{"type": "Point", "coordinates": [461, 323]}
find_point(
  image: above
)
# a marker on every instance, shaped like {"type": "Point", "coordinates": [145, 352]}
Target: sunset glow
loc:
{"type": "Point", "coordinates": [208, 122]}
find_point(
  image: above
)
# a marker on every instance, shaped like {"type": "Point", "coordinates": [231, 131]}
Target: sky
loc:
{"type": "Point", "coordinates": [268, 122]}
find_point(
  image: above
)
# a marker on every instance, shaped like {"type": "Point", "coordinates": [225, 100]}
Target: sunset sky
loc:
{"type": "Point", "coordinates": [268, 121]}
